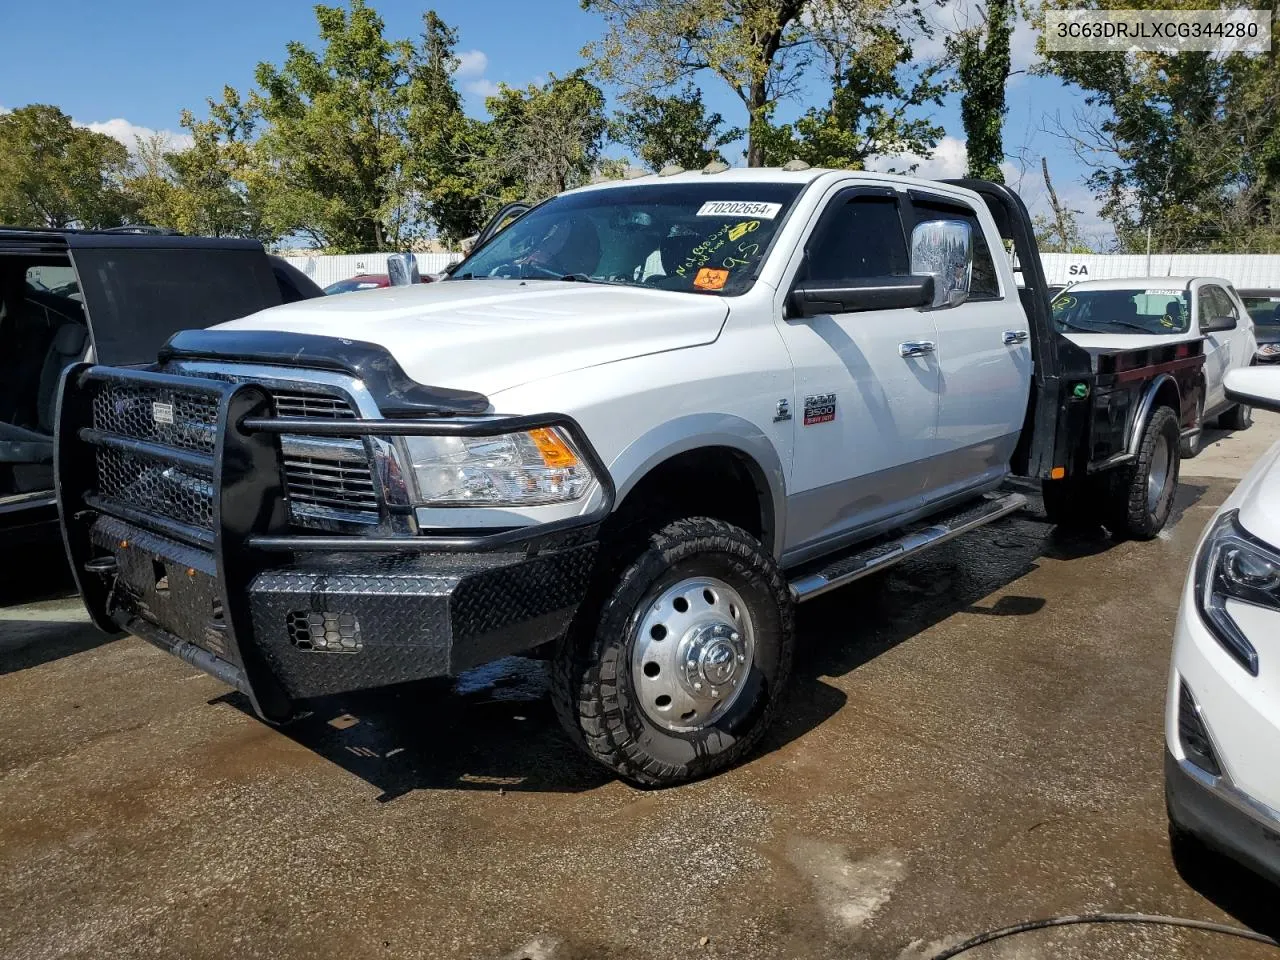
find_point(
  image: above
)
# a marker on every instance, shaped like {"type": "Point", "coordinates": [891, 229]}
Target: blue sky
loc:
{"type": "Point", "coordinates": [131, 66]}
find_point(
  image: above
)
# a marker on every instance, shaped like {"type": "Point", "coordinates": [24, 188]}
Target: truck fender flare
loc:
{"type": "Point", "coordinates": [698, 431]}
{"type": "Point", "coordinates": [1147, 404]}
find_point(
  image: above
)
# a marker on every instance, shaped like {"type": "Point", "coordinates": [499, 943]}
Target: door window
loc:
{"type": "Point", "coordinates": [858, 239]}
{"type": "Point", "coordinates": [985, 283]}
{"type": "Point", "coordinates": [1214, 302]}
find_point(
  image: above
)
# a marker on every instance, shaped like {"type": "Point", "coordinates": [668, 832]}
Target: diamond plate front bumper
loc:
{"type": "Point", "coordinates": [417, 616]}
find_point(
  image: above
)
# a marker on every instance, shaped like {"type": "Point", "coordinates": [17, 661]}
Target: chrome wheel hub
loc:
{"type": "Point", "coordinates": [1158, 475]}
{"type": "Point", "coordinates": [691, 653]}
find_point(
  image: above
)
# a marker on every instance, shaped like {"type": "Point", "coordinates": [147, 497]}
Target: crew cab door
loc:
{"type": "Point", "coordinates": [1212, 302]}
{"type": "Point", "coordinates": [864, 414]}
{"type": "Point", "coordinates": [984, 361]}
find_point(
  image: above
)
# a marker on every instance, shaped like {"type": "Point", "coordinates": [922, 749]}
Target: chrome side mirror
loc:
{"type": "Point", "coordinates": [402, 269]}
{"type": "Point", "coordinates": [943, 249]}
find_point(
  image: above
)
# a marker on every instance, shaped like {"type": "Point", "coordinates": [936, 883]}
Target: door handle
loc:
{"type": "Point", "coordinates": [1015, 336]}
{"type": "Point", "coordinates": [916, 348]}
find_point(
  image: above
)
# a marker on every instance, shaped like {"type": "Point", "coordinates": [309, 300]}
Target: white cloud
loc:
{"type": "Point", "coordinates": [130, 133]}
{"type": "Point", "coordinates": [483, 87]}
{"type": "Point", "coordinates": [472, 63]}
{"type": "Point", "coordinates": [960, 15]}
{"type": "Point", "coordinates": [948, 160]}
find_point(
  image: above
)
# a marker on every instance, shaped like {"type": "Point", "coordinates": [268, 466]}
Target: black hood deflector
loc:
{"type": "Point", "coordinates": [393, 391]}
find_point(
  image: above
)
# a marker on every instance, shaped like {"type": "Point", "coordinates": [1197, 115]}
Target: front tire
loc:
{"type": "Point", "coordinates": [678, 671]}
{"type": "Point", "coordinates": [1142, 494]}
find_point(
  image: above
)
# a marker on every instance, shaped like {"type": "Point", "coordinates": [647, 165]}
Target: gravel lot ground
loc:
{"type": "Point", "coordinates": [974, 739]}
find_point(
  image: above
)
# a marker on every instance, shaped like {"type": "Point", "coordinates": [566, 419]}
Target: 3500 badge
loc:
{"type": "Point", "coordinates": [819, 409]}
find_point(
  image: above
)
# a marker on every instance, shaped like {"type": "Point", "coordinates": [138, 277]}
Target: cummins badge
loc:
{"type": "Point", "coordinates": [819, 409]}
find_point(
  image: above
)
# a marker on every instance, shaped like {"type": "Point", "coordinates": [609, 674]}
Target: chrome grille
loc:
{"type": "Point", "coordinates": [316, 405]}
{"type": "Point", "coordinates": [328, 482]}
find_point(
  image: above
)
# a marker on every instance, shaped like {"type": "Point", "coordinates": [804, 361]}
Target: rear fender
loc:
{"type": "Point", "coordinates": [1161, 391]}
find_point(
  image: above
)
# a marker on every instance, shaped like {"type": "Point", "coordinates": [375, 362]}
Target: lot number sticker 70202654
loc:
{"type": "Point", "coordinates": [739, 208]}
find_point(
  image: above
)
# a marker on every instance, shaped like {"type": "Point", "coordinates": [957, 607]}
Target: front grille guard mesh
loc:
{"type": "Point", "coordinates": [318, 489]}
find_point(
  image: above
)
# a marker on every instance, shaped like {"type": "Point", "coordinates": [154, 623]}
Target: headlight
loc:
{"type": "Point", "coordinates": [1269, 349]}
{"type": "Point", "coordinates": [1232, 565]}
{"type": "Point", "coordinates": [511, 469]}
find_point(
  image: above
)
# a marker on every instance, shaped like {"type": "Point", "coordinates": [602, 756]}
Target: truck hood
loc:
{"type": "Point", "coordinates": [491, 335]}
{"type": "Point", "coordinates": [1097, 343]}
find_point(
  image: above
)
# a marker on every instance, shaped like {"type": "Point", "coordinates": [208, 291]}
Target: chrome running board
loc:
{"type": "Point", "coordinates": [880, 554]}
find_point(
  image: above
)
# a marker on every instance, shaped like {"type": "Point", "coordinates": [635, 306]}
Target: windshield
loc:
{"type": "Point", "coordinates": [1166, 310]}
{"type": "Point", "coordinates": [692, 237]}
{"type": "Point", "coordinates": [1263, 310]}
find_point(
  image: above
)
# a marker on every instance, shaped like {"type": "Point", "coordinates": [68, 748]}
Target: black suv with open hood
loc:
{"type": "Point", "coordinates": [112, 296]}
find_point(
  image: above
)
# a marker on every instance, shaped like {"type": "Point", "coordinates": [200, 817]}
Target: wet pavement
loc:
{"type": "Point", "coordinates": [973, 739]}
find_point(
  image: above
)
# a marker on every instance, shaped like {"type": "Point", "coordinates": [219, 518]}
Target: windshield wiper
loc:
{"type": "Point", "coordinates": [1074, 326]}
{"type": "Point", "coordinates": [1131, 326]}
{"type": "Point", "coordinates": [582, 278]}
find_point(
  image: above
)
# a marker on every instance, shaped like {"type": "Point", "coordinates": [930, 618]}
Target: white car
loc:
{"type": "Point", "coordinates": [1104, 315]}
{"type": "Point", "coordinates": [1222, 716]}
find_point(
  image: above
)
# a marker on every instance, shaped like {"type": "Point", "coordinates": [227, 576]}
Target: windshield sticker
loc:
{"type": "Point", "coordinates": [729, 247]}
{"type": "Point", "coordinates": [1163, 293]}
{"type": "Point", "coordinates": [739, 208]}
{"type": "Point", "coordinates": [709, 278]}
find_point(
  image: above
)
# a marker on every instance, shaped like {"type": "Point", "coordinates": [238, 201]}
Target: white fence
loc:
{"type": "Point", "coordinates": [325, 270]}
{"type": "Point", "coordinates": [1243, 270]}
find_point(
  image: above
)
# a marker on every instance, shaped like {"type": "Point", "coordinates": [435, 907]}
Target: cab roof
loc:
{"type": "Point", "coordinates": [767, 175]}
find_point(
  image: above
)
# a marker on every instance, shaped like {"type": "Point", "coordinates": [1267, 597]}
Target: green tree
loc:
{"type": "Point", "coordinates": [543, 139]}
{"type": "Point", "coordinates": [758, 48]}
{"type": "Point", "coordinates": [55, 174]}
{"type": "Point", "coordinates": [982, 68]}
{"type": "Point", "coordinates": [672, 129]}
{"type": "Point", "coordinates": [442, 138]}
{"type": "Point", "coordinates": [1183, 149]}
{"type": "Point", "coordinates": [335, 160]}
{"type": "Point", "coordinates": [870, 112]}
{"type": "Point", "coordinates": [202, 189]}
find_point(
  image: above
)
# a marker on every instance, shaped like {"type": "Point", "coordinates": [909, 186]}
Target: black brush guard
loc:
{"type": "Point", "coordinates": [230, 597]}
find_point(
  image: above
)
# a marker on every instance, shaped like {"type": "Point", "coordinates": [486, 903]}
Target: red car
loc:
{"type": "Point", "coordinates": [363, 281]}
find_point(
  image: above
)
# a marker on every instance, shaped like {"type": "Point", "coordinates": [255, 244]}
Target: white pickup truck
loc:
{"type": "Point", "coordinates": [630, 431]}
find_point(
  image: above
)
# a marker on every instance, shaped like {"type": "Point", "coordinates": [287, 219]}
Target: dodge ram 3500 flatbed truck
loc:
{"type": "Point", "coordinates": [631, 430]}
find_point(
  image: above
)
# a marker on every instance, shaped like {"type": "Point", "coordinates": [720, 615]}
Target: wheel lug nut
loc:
{"type": "Point", "coordinates": [697, 686]}
{"type": "Point", "coordinates": [715, 692]}
{"type": "Point", "coordinates": [741, 658]}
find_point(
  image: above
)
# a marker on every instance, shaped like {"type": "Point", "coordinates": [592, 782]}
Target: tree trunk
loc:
{"type": "Point", "coordinates": [1058, 215]}
{"type": "Point", "coordinates": [755, 113]}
